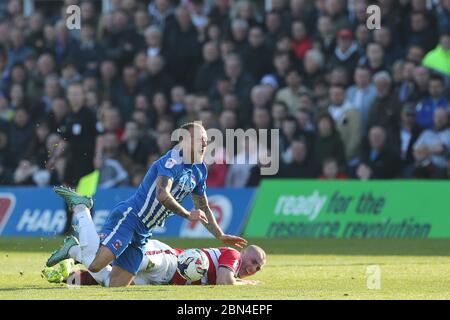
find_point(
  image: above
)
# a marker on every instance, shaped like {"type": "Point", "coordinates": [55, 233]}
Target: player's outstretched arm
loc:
{"type": "Point", "coordinates": [163, 195]}
{"type": "Point", "coordinates": [201, 203]}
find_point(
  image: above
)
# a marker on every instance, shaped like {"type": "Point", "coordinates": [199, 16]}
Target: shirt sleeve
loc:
{"type": "Point", "coordinates": [200, 188]}
{"type": "Point", "coordinates": [230, 258]}
{"type": "Point", "coordinates": [167, 167]}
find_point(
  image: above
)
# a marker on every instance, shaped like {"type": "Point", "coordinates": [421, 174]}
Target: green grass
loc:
{"type": "Point", "coordinates": [296, 269]}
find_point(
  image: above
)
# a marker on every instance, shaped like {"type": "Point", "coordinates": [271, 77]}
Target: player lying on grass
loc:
{"type": "Point", "coordinates": [159, 266]}
{"type": "Point", "coordinates": [168, 181]}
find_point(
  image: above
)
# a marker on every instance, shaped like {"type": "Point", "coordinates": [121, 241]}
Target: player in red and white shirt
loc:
{"type": "Point", "coordinates": [227, 266]}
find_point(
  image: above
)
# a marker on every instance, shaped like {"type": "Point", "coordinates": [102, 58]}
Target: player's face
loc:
{"type": "Point", "coordinates": [199, 141]}
{"type": "Point", "coordinates": [252, 262]}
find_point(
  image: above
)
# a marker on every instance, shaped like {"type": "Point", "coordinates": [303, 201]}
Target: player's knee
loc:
{"type": "Point", "coordinates": [95, 268]}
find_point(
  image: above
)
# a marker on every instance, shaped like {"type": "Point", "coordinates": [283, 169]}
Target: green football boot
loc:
{"type": "Point", "coordinates": [66, 267]}
{"type": "Point", "coordinates": [62, 253]}
{"type": "Point", "coordinates": [72, 198]}
{"type": "Point", "coordinates": [52, 275]}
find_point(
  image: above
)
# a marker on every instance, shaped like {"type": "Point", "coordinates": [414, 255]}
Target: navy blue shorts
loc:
{"type": "Point", "coordinates": [125, 235]}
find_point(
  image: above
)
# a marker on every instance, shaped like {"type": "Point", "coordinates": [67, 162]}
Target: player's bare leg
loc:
{"type": "Point", "coordinates": [88, 252]}
{"type": "Point", "coordinates": [102, 259]}
{"type": "Point", "coordinates": [120, 277]}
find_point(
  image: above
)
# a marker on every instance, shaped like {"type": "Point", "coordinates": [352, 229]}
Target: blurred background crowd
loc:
{"type": "Point", "coordinates": [350, 102]}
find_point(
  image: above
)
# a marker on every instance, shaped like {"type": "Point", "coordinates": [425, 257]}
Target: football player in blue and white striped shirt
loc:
{"type": "Point", "coordinates": [168, 181]}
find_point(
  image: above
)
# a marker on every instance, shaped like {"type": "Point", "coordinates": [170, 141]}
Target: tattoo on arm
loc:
{"type": "Point", "coordinates": [201, 202]}
{"type": "Point", "coordinates": [163, 187]}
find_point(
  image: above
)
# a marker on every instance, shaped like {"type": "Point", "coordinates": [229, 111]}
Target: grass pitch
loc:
{"type": "Point", "coordinates": [296, 269]}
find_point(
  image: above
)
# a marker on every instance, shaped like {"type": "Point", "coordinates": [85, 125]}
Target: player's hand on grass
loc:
{"type": "Point", "coordinates": [233, 240]}
{"type": "Point", "coordinates": [253, 282]}
{"type": "Point", "coordinates": [197, 215]}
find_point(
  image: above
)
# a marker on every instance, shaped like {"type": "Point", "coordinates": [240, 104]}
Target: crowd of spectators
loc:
{"type": "Point", "coordinates": [350, 102]}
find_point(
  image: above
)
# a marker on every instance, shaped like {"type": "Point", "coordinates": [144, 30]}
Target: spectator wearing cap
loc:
{"type": "Point", "coordinates": [210, 70]}
{"type": "Point", "coordinates": [346, 51]}
{"type": "Point", "coordinates": [437, 139]}
{"type": "Point", "coordinates": [436, 99]}
{"type": "Point", "coordinates": [348, 121]}
{"type": "Point", "coordinates": [385, 110]}
{"type": "Point", "coordinates": [407, 135]}
{"type": "Point", "coordinates": [270, 83]}
{"type": "Point", "coordinates": [258, 57]}
{"type": "Point", "coordinates": [439, 58]}
{"type": "Point", "coordinates": [362, 94]}
{"type": "Point", "coordinates": [378, 160]}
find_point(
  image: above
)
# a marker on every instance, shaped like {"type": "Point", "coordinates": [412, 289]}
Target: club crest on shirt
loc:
{"type": "Point", "coordinates": [117, 244]}
{"type": "Point", "coordinates": [170, 163]}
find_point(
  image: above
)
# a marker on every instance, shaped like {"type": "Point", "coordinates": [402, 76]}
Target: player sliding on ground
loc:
{"type": "Point", "coordinates": [168, 181]}
{"type": "Point", "coordinates": [159, 266]}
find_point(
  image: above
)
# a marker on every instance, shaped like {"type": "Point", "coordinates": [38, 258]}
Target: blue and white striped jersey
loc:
{"type": "Point", "coordinates": [187, 178]}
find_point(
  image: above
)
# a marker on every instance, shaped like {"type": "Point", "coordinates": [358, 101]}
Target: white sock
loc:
{"type": "Point", "coordinates": [88, 237]}
{"type": "Point", "coordinates": [103, 276]}
{"type": "Point", "coordinates": [75, 253]}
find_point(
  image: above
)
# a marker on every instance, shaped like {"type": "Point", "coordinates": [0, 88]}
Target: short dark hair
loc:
{"type": "Point", "coordinates": [436, 77]}
{"type": "Point", "coordinates": [188, 126]}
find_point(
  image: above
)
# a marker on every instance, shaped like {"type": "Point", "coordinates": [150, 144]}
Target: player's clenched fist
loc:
{"type": "Point", "coordinates": [198, 214]}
